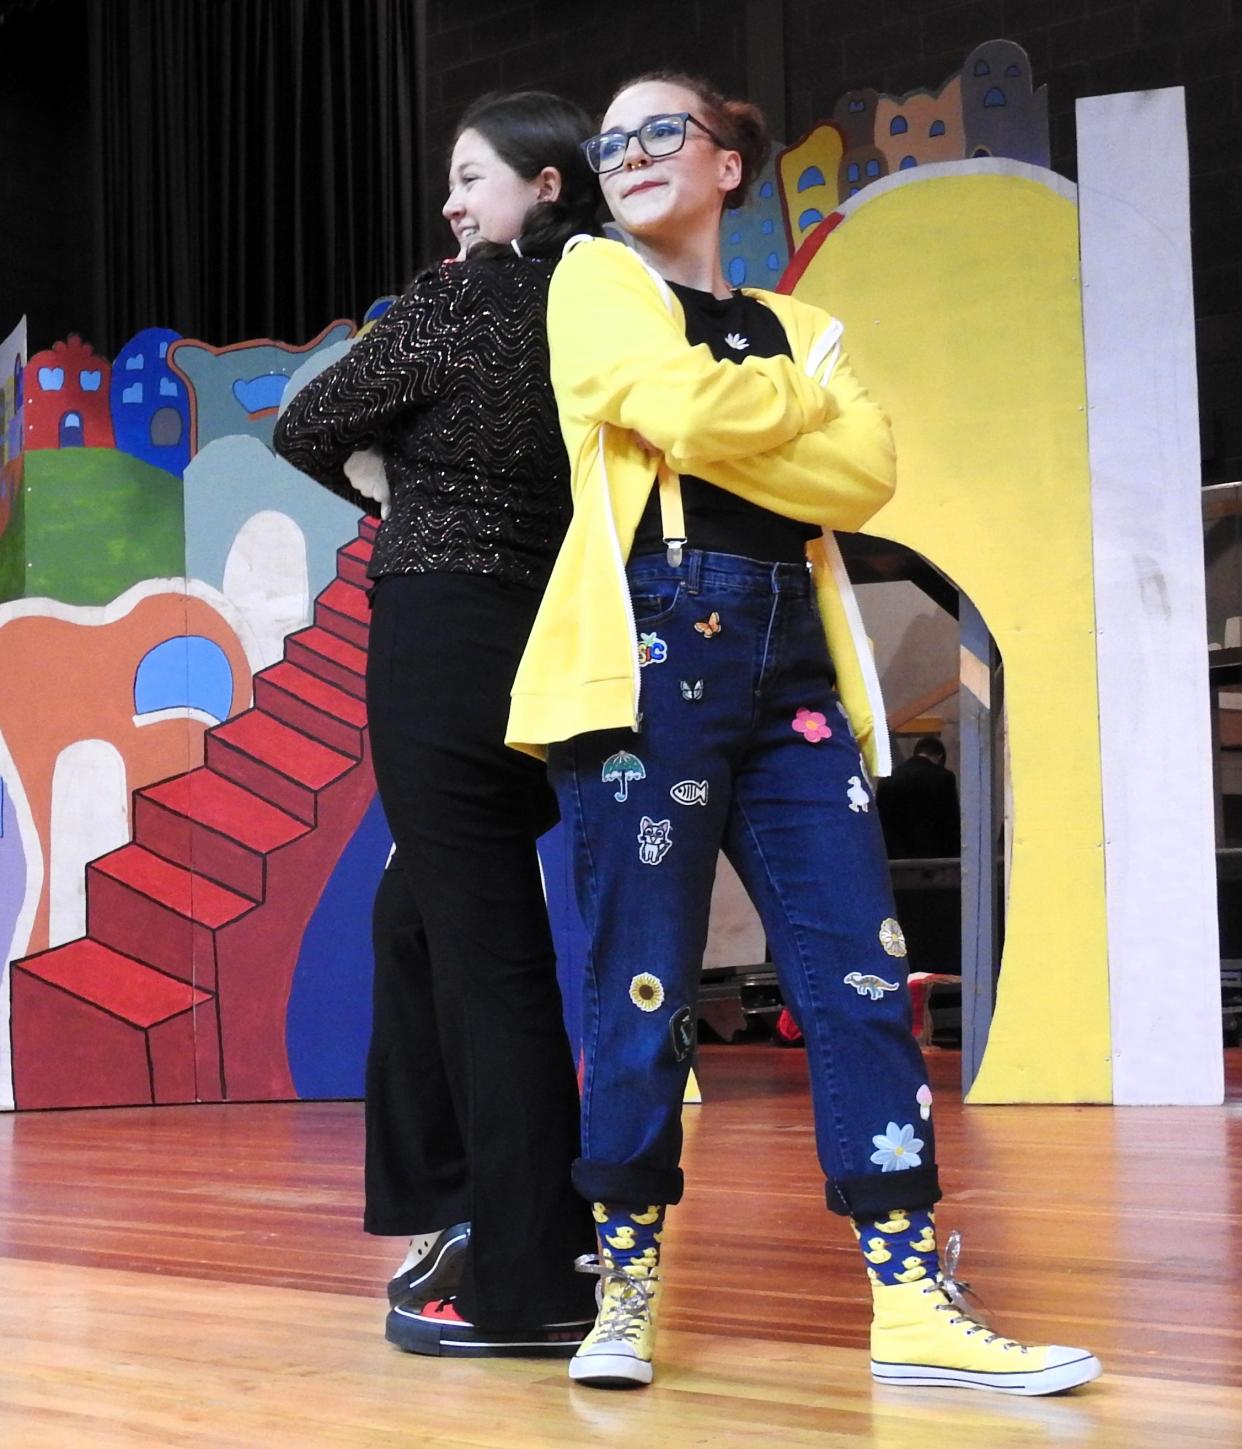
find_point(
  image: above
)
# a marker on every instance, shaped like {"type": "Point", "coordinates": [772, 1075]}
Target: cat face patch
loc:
{"type": "Point", "coordinates": [655, 840]}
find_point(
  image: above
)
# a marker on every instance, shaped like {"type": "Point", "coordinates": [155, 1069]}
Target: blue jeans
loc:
{"type": "Point", "coordinates": [744, 747]}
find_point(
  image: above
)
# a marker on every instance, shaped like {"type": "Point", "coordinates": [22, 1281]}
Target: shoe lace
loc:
{"type": "Point", "coordinates": [955, 1291]}
{"type": "Point", "coordinates": [624, 1314]}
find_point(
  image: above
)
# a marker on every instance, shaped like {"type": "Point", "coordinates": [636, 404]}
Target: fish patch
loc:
{"type": "Point", "coordinates": [690, 792]}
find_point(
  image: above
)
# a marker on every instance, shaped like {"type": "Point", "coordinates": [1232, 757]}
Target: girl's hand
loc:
{"type": "Point", "coordinates": [365, 471]}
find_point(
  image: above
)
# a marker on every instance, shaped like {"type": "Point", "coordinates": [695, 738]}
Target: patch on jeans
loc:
{"type": "Point", "coordinates": [857, 796]}
{"type": "Point", "coordinates": [690, 792]}
{"type": "Point", "coordinates": [624, 767]}
{"type": "Point", "coordinates": [655, 840]}
{"type": "Point", "coordinates": [811, 725]}
{"type": "Point", "coordinates": [651, 650]}
{"type": "Point", "coordinates": [681, 1030]}
{"type": "Point", "coordinates": [924, 1098]}
{"type": "Point", "coordinates": [647, 991]}
{"type": "Point", "coordinates": [897, 1148]}
{"type": "Point", "coordinates": [692, 692]}
{"type": "Point", "coordinates": [892, 937]}
{"type": "Point", "coordinates": [709, 627]}
{"type": "Point", "coordinates": [867, 985]}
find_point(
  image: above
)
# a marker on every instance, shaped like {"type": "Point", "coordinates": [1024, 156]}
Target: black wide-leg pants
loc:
{"type": "Point", "coordinates": [471, 1096]}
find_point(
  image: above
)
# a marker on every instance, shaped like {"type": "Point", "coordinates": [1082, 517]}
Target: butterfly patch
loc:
{"type": "Point", "coordinates": [692, 692]}
{"type": "Point", "coordinates": [710, 626]}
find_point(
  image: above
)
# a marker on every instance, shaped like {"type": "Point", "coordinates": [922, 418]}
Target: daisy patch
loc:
{"type": "Point", "coordinates": [897, 1148]}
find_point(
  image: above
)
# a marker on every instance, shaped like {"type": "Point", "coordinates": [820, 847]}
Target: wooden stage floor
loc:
{"type": "Point", "coordinates": [197, 1276]}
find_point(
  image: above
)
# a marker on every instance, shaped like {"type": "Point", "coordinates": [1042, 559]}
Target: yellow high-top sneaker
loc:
{"type": "Point", "coordinates": [923, 1334]}
{"type": "Point", "coordinates": [616, 1354]}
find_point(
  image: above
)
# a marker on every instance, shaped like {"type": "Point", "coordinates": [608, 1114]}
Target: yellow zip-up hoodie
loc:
{"type": "Point", "coordinates": [798, 436]}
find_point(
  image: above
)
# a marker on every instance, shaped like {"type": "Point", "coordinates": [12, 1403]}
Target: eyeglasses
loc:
{"type": "Point", "coordinates": [659, 136]}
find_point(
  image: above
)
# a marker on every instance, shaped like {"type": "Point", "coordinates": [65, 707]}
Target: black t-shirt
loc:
{"type": "Point", "coordinates": [717, 520]}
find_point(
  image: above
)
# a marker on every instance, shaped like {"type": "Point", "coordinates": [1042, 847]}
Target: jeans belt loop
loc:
{"type": "Point", "coordinates": [694, 571]}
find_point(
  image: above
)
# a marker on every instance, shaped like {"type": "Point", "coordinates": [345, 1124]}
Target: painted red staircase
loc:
{"type": "Point", "coordinates": [178, 991]}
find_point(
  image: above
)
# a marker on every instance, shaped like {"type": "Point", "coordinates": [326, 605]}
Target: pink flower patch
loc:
{"type": "Point", "coordinates": [812, 725]}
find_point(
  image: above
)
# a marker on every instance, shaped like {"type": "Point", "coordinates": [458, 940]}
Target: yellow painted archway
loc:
{"type": "Point", "coordinates": [959, 287]}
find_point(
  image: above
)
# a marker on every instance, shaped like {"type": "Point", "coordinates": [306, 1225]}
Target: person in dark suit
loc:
{"type": "Point", "coordinates": [918, 806]}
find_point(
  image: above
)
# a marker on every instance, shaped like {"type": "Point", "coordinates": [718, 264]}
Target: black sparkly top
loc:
{"type": "Point", "coordinates": [451, 384]}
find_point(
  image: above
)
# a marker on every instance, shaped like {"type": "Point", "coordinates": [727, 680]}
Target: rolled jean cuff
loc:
{"type": "Point", "coordinates": [611, 1182]}
{"type": "Point", "coordinates": [875, 1194]}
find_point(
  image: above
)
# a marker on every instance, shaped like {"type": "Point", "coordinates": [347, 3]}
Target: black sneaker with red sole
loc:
{"type": "Point", "coordinates": [436, 1275]}
{"type": "Point", "coordinates": [436, 1328]}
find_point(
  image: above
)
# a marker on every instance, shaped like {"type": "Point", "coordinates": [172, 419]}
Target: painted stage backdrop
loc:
{"type": "Point", "coordinates": [189, 835]}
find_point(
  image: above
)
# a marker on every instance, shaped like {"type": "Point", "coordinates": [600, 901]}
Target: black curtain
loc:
{"type": "Point", "coordinates": [256, 163]}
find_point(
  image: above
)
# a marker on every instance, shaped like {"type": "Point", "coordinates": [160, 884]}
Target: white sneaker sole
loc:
{"type": "Point", "coordinates": [610, 1370]}
{"type": "Point", "coordinates": [1052, 1380]}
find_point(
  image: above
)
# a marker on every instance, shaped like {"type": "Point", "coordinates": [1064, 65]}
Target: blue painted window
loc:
{"type": "Point", "coordinates": [898, 126]}
{"type": "Point", "coordinates": [766, 190]}
{"type": "Point", "coordinates": [1013, 70]}
{"type": "Point", "coordinates": [855, 106]}
{"type": "Point", "coordinates": [258, 394]}
{"type": "Point", "coordinates": [809, 218]}
{"type": "Point", "coordinates": [854, 190]}
{"type": "Point", "coordinates": [734, 238]}
{"type": "Point", "coordinates": [163, 350]}
{"type": "Point", "coordinates": [135, 362]}
{"type": "Point", "coordinates": [774, 262]}
{"type": "Point", "coordinates": [812, 176]}
{"type": "Point", "coordinates": [936, 128]}
{"type": "Point", "coordinates": [132, 393]}
{"type": "Point", "coordinates": [187, 672]}
{"type": "Point", "coordinates": [873, 168]}
{"type": "Point", "coordinates": [71, 433]}
{"type": "Point", "coordinates": [51, 379]}
{"type": "Point", "coordinates": [89, 381]}
{"type": "Point", "coordinates": [995, 97]}
{"type": "Point", "coordinates": [168, 388]}
{"type": "Point", "coordinates": [767, 227]}
{"type": "Point", "coordinates": [852, 172]}
{"type": "Point", "coordinates": [737, 271]}
{"type": "Point", "coordinates": [982, 68]}
{"type": "Point", "coordinates": [906, 163]}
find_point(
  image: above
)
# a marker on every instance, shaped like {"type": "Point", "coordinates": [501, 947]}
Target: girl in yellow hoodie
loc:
{"type": "Point", "coordinates": [698, 677]}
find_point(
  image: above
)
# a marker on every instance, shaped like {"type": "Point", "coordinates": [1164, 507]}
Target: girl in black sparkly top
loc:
{"type": "Point", "coordinates": [442, 415]}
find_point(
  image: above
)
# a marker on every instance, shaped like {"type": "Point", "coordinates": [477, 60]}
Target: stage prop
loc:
{"type": "Point", "coordinates": [189, 836]}
{"type": "Point", "coordinates": [1048, 466]}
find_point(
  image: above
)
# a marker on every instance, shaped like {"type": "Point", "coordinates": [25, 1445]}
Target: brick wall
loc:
{"type": "Point", "coordinates": [1078, 48]}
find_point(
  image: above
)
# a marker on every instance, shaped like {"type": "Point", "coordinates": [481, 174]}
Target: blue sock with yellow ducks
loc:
{"type": "Point", "coordinates": [629, 1236]}
{"type": "Point", "coordinates": [899, 1247]}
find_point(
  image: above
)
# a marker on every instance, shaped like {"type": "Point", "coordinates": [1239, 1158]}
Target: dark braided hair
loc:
{"type": "Point", "coordinates": [529, 130]}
